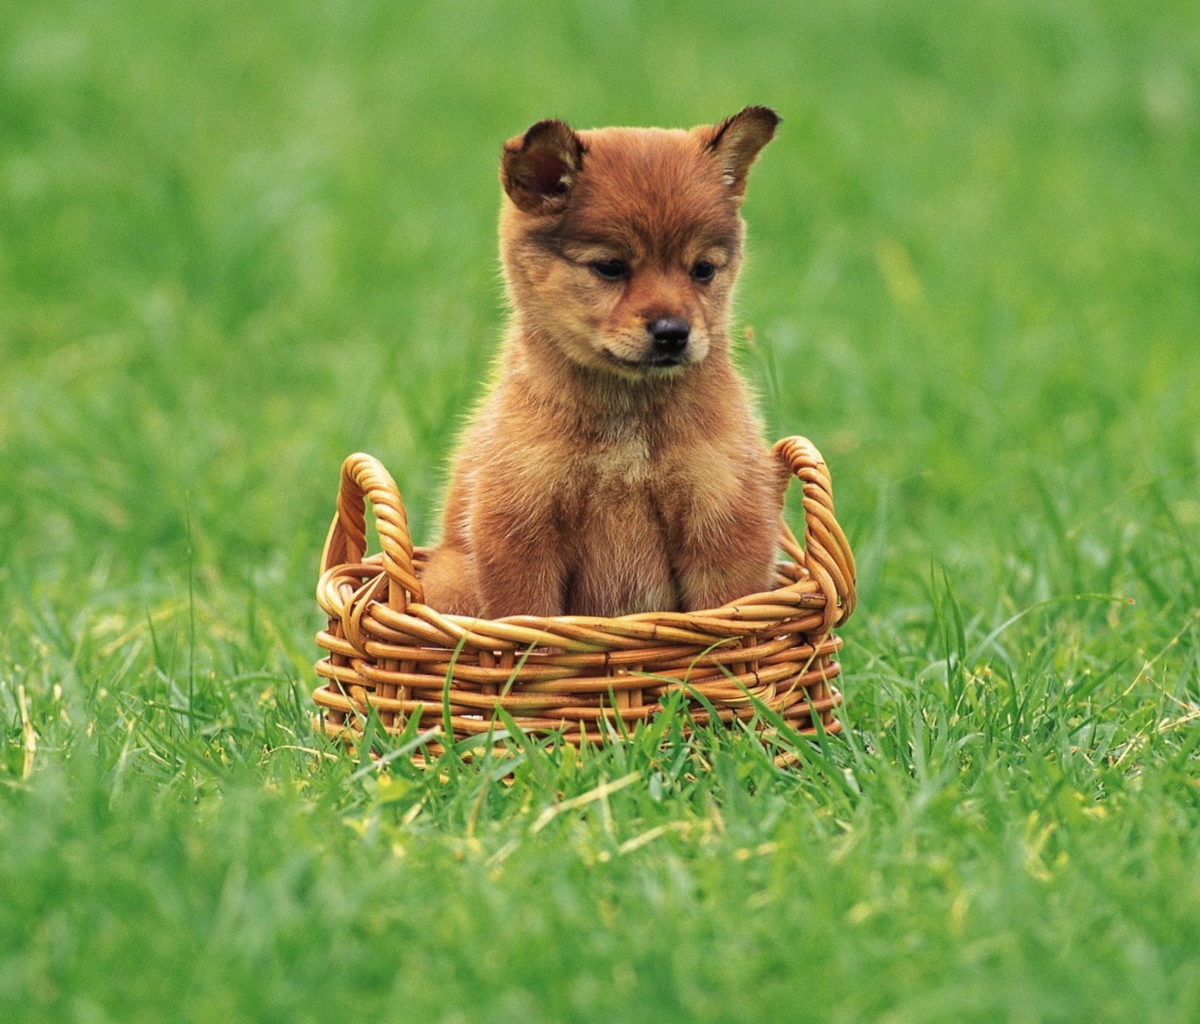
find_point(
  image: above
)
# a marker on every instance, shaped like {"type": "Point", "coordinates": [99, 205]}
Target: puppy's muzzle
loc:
{"type": "Point", "coordinates": [670, 334]}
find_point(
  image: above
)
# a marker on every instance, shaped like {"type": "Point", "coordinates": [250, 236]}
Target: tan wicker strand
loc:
{"type": "Point", "coordinates": [365, 477]}
{"type": "Point", "coordinates": [388, 650]}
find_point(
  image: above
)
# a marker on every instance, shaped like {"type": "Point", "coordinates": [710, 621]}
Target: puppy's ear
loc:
{"type": "Point", "coordinates": [538, 168]}
{"type": "Point", "coordinates": [735, 143]}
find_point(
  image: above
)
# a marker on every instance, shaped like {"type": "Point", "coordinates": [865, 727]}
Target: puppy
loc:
{"type": "Point", "coordinates": [615, 465]}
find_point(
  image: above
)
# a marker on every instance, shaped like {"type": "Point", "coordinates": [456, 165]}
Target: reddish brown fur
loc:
{"type": "Point", "coordinates": [592, 482]}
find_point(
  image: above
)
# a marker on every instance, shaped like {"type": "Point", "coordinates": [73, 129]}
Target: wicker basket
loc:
{"type": "Point", "coordinates": [387, 649]}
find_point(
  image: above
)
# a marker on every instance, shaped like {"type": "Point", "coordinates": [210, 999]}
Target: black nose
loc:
{"type": "Point", "coordinates": [670, 334]}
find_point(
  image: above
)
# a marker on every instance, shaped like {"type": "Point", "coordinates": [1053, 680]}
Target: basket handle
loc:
{"type": "Point", "coordinates": [827, 554]}
{"type": "Point", "coordinates": [364, 477]}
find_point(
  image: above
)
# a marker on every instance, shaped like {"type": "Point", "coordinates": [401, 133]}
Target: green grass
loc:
{"type": "Point", "coordinates": [240, 240]}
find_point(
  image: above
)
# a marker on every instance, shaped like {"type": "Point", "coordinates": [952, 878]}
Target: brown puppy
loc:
{"type": "Point", "coordinates": [615, 466]}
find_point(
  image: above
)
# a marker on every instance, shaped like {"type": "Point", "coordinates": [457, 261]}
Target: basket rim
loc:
{"type": "Point", "coordinates": [814, 598]}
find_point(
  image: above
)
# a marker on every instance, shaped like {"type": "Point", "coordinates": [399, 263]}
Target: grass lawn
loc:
{"type": "Point", "coordinates": [240, 240]}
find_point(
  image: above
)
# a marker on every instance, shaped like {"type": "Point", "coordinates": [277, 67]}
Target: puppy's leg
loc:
{"type": "Point", "coordinates": [449, 576]}
{"type": "Point", "coordinates": [520, 576]}
{"type": "Point", "coordinates": [706, 581]}
{"type": "Point", "coordinates": [449, 583]}
{"type": "Point", "coordinates": [623, 565]}
{"type": "Point", "coordinates": [520, 563]}
{"type": "Point", "coordinates": [725, 548]}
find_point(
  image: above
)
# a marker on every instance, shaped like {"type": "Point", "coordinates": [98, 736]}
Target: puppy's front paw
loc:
{"type": "Point", "coordinates": [449, 584]}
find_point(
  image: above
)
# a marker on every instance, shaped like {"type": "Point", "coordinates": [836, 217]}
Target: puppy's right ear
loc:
{"type": "Point", "coordinates": [735, 143]}
{"type": "Point", "coordinates": [538, 168]}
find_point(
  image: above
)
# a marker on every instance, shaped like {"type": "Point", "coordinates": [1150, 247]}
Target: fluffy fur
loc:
{"type": "Point", "coordinates": [615, 466]}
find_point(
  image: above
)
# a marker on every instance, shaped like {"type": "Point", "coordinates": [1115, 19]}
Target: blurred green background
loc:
{"type": "Point", "coordinates": [239, 241]}
{"type": "Point", "coordinates": [242, 241]}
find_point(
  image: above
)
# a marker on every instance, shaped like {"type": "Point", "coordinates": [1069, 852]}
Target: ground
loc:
{"type": "Point", "coordinates": [239, 241]}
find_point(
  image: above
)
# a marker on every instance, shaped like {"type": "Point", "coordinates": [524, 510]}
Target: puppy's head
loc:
{"type": "Point", "coordinates": [621, 245]}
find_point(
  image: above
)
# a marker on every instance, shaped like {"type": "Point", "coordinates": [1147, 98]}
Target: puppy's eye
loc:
{"type": "Point", "coordinates": [703, 272]}
{"type": "Point", "coordinates": [611, 270]}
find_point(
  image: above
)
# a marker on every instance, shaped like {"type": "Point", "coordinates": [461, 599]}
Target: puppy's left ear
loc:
{"type": "Point", "coordinates": [538, 168]}
{"type": "Point", "coordinates": [735, 143]}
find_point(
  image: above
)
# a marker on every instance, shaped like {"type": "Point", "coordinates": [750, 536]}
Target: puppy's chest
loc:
{"type": "Point", "coordinates": [632, 483]}
{"type": "Point", "coordinates": [617, 465]}
{"type": "Point", "coordinates": [610, 497]}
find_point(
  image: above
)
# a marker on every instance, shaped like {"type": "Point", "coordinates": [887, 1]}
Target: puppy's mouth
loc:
{"type": "Point", "coordinates": [652, 362]}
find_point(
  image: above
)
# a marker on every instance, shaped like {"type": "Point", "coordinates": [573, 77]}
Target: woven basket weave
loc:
{"type": "Point", "coordinates": [387, 649]}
